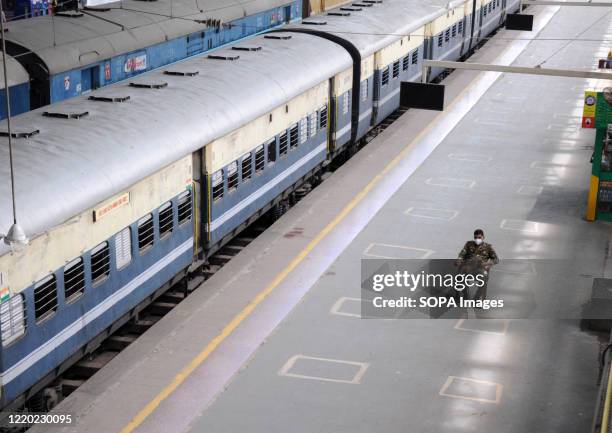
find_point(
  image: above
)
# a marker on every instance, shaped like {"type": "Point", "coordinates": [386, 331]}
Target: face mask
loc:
{"type": "Point", "coordinates": [478, 241]}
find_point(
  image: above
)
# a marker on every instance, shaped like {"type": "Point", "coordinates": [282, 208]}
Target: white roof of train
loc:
{"type": "Point", "coordinates": [72, 165]}
{"type": "Point", "coordinates": [16, 73]}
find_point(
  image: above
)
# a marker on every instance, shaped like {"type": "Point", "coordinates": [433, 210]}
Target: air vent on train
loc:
{"type": "Point", "coordinates": [278, 37]}
{"type": "Point", "coordinates": [339, 14]}
{"type": "Point", "coordinates": [219, 57]}
{"type": "Point", "coordinates": [182, 73]}
{"type": "Point", "coordinates": [109, 99]}
{"type": "Point", "coordinates": [20, 134]}
{"type": "Point", "coordinates": [315, 23]}
{"type": "Point", "coordinates": [58, 115]}
{"type": "Point", "coordinates": [149, 85]}
{"type": "Point", "coordinates": [246, 48]}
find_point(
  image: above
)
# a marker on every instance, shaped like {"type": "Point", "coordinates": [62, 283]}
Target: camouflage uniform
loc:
{"type": "Point", "coordinates": [473, 254]}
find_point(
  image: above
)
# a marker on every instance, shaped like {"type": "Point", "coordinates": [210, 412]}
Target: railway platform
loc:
{"type": "Point", "coordinates": [273, 341]}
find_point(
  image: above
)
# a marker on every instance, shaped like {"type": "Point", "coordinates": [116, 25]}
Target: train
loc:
{"type": "Point", "coordinates": [127, 190]}
{"type": "Point", "coordinates": [71, 53]}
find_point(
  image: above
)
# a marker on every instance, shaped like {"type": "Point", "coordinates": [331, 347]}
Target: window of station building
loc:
{"type": "Point", "coordinates": [293, 136]}
{"type": "Point", "coordinates": [415, 57]}
{"type": "Point", "coordinates": [283, 144]}
{"type": "Point", "coordinates": [396, 69]}
{"type": "Point", "coordinates": [45, 298]}
{"type": "Point", "coordinates": [260, 161]}
{"type": "Point", "coordinates": [345, 103]}
{"type": "Point", "coordinates": [312, 124]}
{"type": "Point", "coordinates": [217, 185]}
{"type": "Point", "coordinates": [406, 63]}
{"type": "Point", "coordinates": [303, 130]}
{"type": "Point", "coordinates": [323, 117]}
{"type": "Point", "coordinates": [166, 216]}
{"type": "Point", "coordinates": [100, 263]}
{"type": "Point", "coordinates": [247, 171]}
{"type": "Point", "coordinates": [145, 233]}
{"type": "Point", "coordinates": [184, 207]}
{"type": "Point", "coordinates": [447, 35]}
{"type": "Point", "coordinates": [440, 40]}
{"type": "Point", "coordinates": [364, 90]}
{"type": "Point", "coordinates": [74, 279]}
{"type": "Point", "coordinates": [123, 248]}
{"type": "Point", "coordinates": [385, 77]}
{"type": "Point", "coordinates": [271, 151]}
{"type": "Point", "coordinates": [232, 176]}
{"type": "Point", "coordinates": [12, 319]}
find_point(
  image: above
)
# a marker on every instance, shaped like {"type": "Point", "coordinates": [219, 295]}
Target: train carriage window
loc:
{"type": "Point", "coordinates": [232, 176]}
{"type": "Point", "coordinates": [145, 233]}
{"type": "Point", "coordinates": [447, 35]}
{"type": "Point", "coordinates": [246, 166]}
{"type": "Point", "coordinates": [184, 207]}
{"type": "Point", "coordinates": [460, 27]}
{"type": "Point", "coordinates": [100, 263]}
{"type": "Point", "coordinates": [406, 63]}
{"type": "Point", "coordinates": [304, 130]}
{"type": "Point", "coordinates": [45, 298]}
{"type": "Point", "coordinates": [323, 117]}
{"type": "Point", "coordinates": [440, 40]}
{"type": "Point", "coordinates": [293, 136]}
{"type": "Point", "coordinates": [272, 151]}
{"type": "Point", "coordinates": [454, 30]}
{"type": "Point", "coordinates": [364, 90]}
{"type": "Point", "coordinates": [345, 103]}
{"type": "Point", "coordinates": [312, 124]}
{"type": "Point", "coordinates": [260, 161]}
{"type": "Point", "coordinates": [282, 144]}
{"type": "Point", "coordinates": [217, 185]}
{"type": "Point", "coordinates": [484, 11]}
{"type": "Point", "coordinates": [12, 319]}
{"type": "Point", "coordinates": [123, 248]}
{"type": "Point", "coordinates": [74, 279]}
{"type": "Point", "coordinates": [415, 57]}
{"type": "Point", "coordinates": [385, 77]}
{"type": "Point", "coordinates": [396, 69]}
{"type": "Point", "coordinates": [166, 217]}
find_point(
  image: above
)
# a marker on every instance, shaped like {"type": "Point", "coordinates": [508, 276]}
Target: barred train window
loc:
{"type": "Point", "coordinates": [364, 90]}
{"type": "Point", "coordinates": [282, 144]}
{"type": "Point", "coordinates": [100, 263]}
{"type": "Point", "coordinates": [184, 207]}
{"type": "Point", "coordinates": [246, 166]}
{"type": "Point", "coordinates": [123, 247]}
{"type": "Point", "coordinates": [396, 69]}
{"type": "Point", "coordinates": [460, 27]}
{"type": "Point", "coordinates": [217, 185]}
{"type": "Point", "coordinates": [385, 77]}
{"type": "Point", "coordinates": [312, 124]}
{"type": "Point", "coordinates": [74, 279]}
{"type": "Point", "coordinates": [12, 319]}
{"type": "Point", "coordinates": [415, 57]}
{"type": "Point", "coordinates": [271, 151]}
{"type": "Point", "coordinates": [303, 130]}
{"type": "Point", "coordinates": [345, 103]}
{"type": "Point", "coordinates": [145, 233]}
{"type": "Point", "coordinates": [232, 176]}
{"type": "Point", "coordinates": [454, 30]}
{"type": "Point", "coordinates": [260, 161]}
{"type": "Point", "coordinates": [440, 39]}
{"type": "Point", "coordinates": [293, 136]}
{"type": "Point", "coordinates": [45, 298]}
{"type": "Point", "coordinates": [406, 63]}
{"type": "Point", "coordinates": [166, 222]}
{"type": "Point", "coordinates": [447, 35]}
{"type": "Point", "coordinates": [323, 117]}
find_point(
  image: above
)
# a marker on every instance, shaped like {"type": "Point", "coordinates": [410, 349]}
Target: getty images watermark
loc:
{"type": "Point", "coordinates": [513, 289]}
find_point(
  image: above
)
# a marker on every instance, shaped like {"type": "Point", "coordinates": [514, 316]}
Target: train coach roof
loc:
{"type": "Point", "coordinates": [65, 43]}
{"type": "Point", "coordinates": [72, 165]}
{"type": "Point", "coordinates": [378, 25]}
{"type": "Point", "coordinates": [16, 73]}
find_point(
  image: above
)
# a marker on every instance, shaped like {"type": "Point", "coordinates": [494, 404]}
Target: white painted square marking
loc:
{"type": "Point", "coordinates": [388, 251]}
{"type": "Point", "coordinates": [464, 325]}
{"type": "Point", "coordinates": [431, 213]}
{"type": "Point", "coordinates": [359, 367]}
{"type": "Point", "coordinates": [450, 182]}
{"type": "Point", "coordinates": [470, 157]}
{"type": "Point", "coordinates": [465, 388]}
{"type": "Point", "coordinates": [519, 225]}
{"type": "Point", "coordinates": [530, 190]}
{"type": "Point", "coordinates": [337, 307]}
